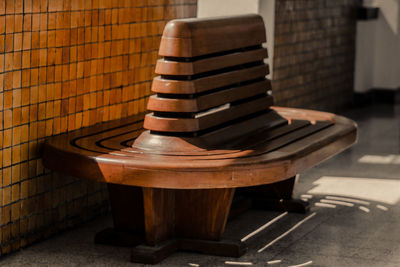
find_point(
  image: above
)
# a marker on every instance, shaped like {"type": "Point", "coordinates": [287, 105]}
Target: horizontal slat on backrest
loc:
{"type": "Point", "coordinates": [197, 37]}
{"type": "Point", "coordinates": [168, 86]}
{"type": "Point", "coordinates": [210, 100]}
{"type": "Point", "coordinates": [164, 124]}
{"type": "Point", "coordinates": [171, 67]}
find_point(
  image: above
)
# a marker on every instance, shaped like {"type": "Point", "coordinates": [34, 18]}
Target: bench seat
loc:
{"type": "Point", "coordinates": [104, 153]}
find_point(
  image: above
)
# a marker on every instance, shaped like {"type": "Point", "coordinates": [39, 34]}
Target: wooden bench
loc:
{"type": "Point", "coordinates": [211, 135]}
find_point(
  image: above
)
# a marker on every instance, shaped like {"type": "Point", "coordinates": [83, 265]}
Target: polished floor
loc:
{"type": "Point", "coordinates": [354, 219]}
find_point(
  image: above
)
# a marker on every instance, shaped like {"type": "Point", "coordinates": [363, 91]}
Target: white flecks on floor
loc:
{"type": "Point", "coordinates": [274, 262]}
{"type": "Point", "coordinates": [358, 201]}
{"type": "Point", "coordinates": [238, 263]}
{"type": "Point", "coordinates": [325, 205]}
{"type": "Point", "coordinates": [337, 202]}
{"type": "Point", "coordinates": [381, 207]}
{"type": "Point", "coordinates": [263, 227]}
{"type": "Point", "coordinates": [286, 233]}
{"type": "Point", "coordinates": [302, 264]}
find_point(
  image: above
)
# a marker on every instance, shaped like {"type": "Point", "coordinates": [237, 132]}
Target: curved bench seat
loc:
{"type": "Point", "coordinates": [105, 154]}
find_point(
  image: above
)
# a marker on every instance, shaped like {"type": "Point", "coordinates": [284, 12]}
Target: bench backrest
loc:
{"type": "Point", "coordinates": [212, 74]}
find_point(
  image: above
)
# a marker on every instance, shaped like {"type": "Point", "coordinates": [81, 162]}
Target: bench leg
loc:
{"type": "Point", "coordinates": [276, 196]}
{"type": "Point", "coordinates": [157, 222]}
{"type": "Point", "coordinates": [127, 211]}
{"type": "Point", "coordinates": [192, 220]}
{"type": "Point", "coordinates": [196, 214]}
{"type": "Point", "coordinates": [203, 213]}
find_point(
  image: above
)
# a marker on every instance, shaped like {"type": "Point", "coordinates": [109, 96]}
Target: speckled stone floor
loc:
{"type": "Point", "coordinates": [362, 230]}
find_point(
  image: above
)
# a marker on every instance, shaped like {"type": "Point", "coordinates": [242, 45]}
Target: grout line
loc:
{"type": "Point", "coordinates": [263, 227]}
{"type": "Point", "coordinates": [287, 232]}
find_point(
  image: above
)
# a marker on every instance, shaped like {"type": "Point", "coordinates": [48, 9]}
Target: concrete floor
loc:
{"type": "Point", "coordinates": [359, 234]}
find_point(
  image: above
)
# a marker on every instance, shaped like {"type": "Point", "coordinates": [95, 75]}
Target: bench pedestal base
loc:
{"type": "Point", "coordinates": [155, 254]}
{"type": "Point", "coordinates": [276, 196]}
{"type": "Point", "coordinates": [158, 222]}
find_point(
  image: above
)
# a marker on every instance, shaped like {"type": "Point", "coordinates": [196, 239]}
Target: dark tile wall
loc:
{"type": "Point", "coordinates": [64, 65]}
{"type": "Point", "coordinates": [314, 53]}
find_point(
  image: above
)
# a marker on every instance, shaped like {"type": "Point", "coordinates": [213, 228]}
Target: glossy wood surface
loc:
{"type": "Point", "coordinates": [106, 155]}
{"type": "Point", "coordinates": [174, 124]}
{"type": "Point", "coordinates": [207, 101]}
{"type": "Point", "coordinates": [157, 215]}
{"type": "Point", "coordinates": [202, 214]}
{"type": "Point", "coordinates": [239, 57]}
{"type": "Point", "coordinates": [196, 37]}
{"type": "Point", "coordinates": [224, 81]}
{"type": "Point", "coordinates": [171, 86]}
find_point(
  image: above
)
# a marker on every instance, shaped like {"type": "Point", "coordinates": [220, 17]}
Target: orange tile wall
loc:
{"type": "Point", "coordinates": [65, 65]}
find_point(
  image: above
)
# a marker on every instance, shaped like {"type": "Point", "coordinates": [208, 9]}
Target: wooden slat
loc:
{"type": "Point", "coordinates": [262, 152]}
{"type": "Point", "coordinates": [223, 141]}
{"type": "Point", "coordinates": [209, 100]}
{"type": "Point", "coordinates": [256, 144]}
{"type": "Point", "coordinates": [168, 86]}
{"type": "Point", "coordinates": [170, 67]}
{"type": "Point", "coordinates": [89, 141]}
{"type": "Point", "coordinates": [267, 145]}
{"type": "Point", "coordinates": [197, 124]}
{"type": "Point", "coordinates": [197, 37]}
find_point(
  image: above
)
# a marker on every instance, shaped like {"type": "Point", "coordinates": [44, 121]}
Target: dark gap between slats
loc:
{"type": "Point", "coordinates": [223, 53]}
{"type": "Point", "coordinates": [211, 129]}
{"type": "Point", "coordinates": [213, 72]}
{"type": "Point", "coordinates": [241, 101]}
{"type": "Point", "coordinates": [190, 115]}
{"type": "Point", "coordinates": [192, 96]}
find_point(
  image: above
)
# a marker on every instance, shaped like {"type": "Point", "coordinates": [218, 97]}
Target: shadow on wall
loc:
{"type": "Point", "coordinates": [390, 10]}
{"type": "Point", "coordinates": [378, 48]}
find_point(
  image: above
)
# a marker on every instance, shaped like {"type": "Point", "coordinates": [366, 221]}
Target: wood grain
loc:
{"type": "Point", "coordinates": [123, 165]}
{"type": "Point", "coordinates": [202, 214]}
{"type": "Point", "coordinates": [173, 67]}
{"type": "Point", "coordinates": [196, 37]}
{"type": "Point", "coordinates": [207, 101]}
{"type": "Point", "coordinates": [169, 86]}
{"type": "Point", "coordinates": [173, 124]}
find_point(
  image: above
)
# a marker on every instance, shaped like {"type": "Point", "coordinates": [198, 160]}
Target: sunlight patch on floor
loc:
{"type": "Point", "coordinates": [380, 190]}
{"type": "Point", "coordinates": [380, 159]}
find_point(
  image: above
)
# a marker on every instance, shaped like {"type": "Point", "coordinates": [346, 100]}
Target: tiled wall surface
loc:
{"type": "Point", "coordinates": [67, 64]}
{"type": "Point", "coordinates": [314, 53]}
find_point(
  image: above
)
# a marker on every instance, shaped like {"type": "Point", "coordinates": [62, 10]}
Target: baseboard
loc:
{"type": "Point", "coordinates": [377, 95]}
{"type": "Point", "coordinates": [362, 99]}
